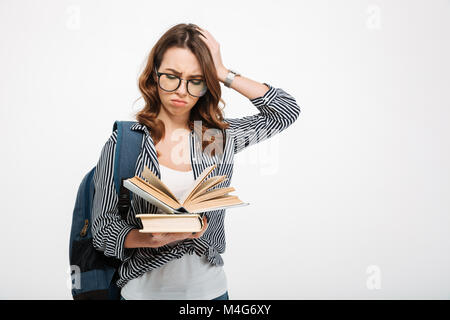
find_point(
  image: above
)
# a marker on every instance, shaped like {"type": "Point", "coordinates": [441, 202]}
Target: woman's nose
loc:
{"type": "Point", "coordinates": [183, 87]}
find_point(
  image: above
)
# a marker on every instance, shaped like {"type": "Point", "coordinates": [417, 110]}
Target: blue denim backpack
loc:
{"type": "Point", "coordinates": [93, 274]}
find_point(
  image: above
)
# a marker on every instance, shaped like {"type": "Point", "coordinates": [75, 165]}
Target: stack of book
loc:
{"type": "Point", "coordinates": [181, 215]}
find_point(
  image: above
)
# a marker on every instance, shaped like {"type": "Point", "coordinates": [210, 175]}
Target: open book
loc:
{"type": "Point", "coordinates": [198, 198]}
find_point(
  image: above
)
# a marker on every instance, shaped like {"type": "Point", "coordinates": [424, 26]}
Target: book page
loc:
{"type": "Point", "coordinates": [170, 222]}
{"type": "Point", "coordinates": [148, 175]}
{"type": "Point", "coordinates": [220, 207]}
{"type": "Point", "coordinates": [205, 185]}
{"type": "Point", "coordinates": [212, 194]}
{"type": "Point", "coordinates": [153, 191]}
{"type": "Point", "coordinates": [197, 182]}
{"type": "Point", "coordinates": [148, 196]}
{"type": "Point", "coordinates": [216, 202]}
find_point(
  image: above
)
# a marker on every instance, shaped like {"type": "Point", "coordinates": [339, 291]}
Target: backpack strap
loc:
{"type": "Point", "coordinates": [128, 148]}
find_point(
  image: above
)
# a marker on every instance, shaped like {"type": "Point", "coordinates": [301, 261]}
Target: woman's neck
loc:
{"type": "Point", "coordinates": [172, 123]}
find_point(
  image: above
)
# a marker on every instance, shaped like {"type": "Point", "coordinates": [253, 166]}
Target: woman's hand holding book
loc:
{"type": "Point", "coordinates": [136, 239]}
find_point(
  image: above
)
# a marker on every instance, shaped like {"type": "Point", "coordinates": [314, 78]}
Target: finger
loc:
{"type": "Point", "coordinates": [202, 32]}
{"type": "Point", "coordinates": [199, 234]}
{"type": "Point", "coordinates": [183, 235]}
{"type": "Point", "coordinates": [156, 234]}
{"type": "Point", "coordinates": [205, 222]}
{"type": "Point", "coordinates": [202, 230]}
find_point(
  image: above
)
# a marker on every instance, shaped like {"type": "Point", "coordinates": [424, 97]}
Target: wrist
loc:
{"type": "Point", "coordinates": [222, 74]}
{"type": "Point", "coordinates": [136, 239]}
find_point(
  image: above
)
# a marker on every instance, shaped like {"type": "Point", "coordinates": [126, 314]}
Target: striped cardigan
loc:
{"type": "Point", "coordinates": [278, 110]}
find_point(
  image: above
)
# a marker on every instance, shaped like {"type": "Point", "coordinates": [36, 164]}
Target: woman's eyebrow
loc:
{"type": "Point", "coordinates": [179, 73]}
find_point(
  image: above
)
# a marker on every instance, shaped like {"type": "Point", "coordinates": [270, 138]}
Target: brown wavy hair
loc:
{"type": "Point", "coordinates": [207, 107]}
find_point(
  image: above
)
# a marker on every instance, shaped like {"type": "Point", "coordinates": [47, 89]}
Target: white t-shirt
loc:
{"type": "Point", "coordinates": [189, 278]}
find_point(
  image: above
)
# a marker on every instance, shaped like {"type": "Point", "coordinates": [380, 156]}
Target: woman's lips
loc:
{"type": "Point", "coordinates": [178, 102]}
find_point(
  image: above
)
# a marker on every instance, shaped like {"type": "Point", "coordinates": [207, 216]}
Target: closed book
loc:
{"type": "Point", "coordinates": [169, 222]}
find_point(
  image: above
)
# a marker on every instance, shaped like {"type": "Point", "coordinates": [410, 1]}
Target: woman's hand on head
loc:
{"type": "Point", "coordinates": [214, 48]}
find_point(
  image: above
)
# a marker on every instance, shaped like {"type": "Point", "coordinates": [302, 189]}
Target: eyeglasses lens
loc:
{"type": "Point", "coordinates": [195, 87]}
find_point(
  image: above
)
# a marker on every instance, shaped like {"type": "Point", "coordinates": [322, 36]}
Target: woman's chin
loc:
{"type": "Point", "coordinates": [178, 110]}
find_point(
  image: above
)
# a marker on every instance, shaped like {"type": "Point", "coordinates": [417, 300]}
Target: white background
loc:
{"type": "Point", "coordinates": [350, 202]}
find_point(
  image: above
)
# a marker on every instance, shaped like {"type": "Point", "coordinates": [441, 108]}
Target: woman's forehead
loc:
{"type": "Point", "coordinates": [182, 61]}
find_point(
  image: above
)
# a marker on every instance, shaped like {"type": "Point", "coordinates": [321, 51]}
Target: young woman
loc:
{"type": "Point", "coordinates": [184, 132]}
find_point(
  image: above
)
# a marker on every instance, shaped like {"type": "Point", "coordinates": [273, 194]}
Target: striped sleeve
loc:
{"type": "Point", "coordinates": [108, 228]}
{"type": "Point", "coordinates": [278, 110]}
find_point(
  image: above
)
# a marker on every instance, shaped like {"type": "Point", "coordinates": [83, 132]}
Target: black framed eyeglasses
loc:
{"type": "Point", "coordinates": [170, 82]}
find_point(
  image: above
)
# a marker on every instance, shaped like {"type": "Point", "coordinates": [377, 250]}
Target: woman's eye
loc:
{"type": "Point", "coordinates": [197, 82]}
{"type": "Point", "coordinates": [171, 76]}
